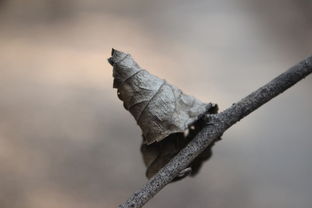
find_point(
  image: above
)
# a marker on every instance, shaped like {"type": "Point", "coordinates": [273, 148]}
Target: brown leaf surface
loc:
{"type": "Point", "coordinates": [163, 112]}
{"type": "Point", "coordinates": [159, 108]}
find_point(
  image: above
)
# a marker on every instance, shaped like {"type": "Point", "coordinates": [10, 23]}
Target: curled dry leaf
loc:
{"type": "Point", "coordinates": [158, 154]}
{"type": "Point", "coordinates": [162, 111]}
{"type": "Point", "coordinates": [159, 108]}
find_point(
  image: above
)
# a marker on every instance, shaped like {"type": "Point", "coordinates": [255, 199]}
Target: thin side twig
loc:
{"type": "Point", "coordinates": [218, 124]}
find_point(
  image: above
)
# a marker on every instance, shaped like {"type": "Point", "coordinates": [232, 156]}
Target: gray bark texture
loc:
{"type": "Point", "coordinates": [217, 124]}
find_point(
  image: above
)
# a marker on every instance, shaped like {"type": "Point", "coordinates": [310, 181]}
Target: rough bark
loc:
{"type": "Point", "coordinates": [217, 124]}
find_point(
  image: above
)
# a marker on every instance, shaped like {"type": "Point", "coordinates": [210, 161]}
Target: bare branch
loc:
{"type": "Point", "coordinates": [218, 123]}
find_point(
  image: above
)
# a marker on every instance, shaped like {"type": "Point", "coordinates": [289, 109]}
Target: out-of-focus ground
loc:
{"type": "Point", "coordinates": [66, 140]}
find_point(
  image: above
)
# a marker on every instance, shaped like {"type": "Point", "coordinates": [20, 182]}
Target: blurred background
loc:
{"type": "Point", "coordinates": [66, 140]}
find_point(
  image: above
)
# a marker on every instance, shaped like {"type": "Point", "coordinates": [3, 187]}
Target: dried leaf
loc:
{"type": "Point", "coordinates": [159, 108]}
{"type": "Point", "coordinates": [158, 154]}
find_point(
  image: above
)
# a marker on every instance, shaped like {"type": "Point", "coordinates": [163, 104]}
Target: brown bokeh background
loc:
{"type": "Point", "coordinates": [66, 141]}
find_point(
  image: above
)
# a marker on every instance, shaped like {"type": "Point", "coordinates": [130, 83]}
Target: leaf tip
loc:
{"type": "Point", "coordinates": [116, 56]}
{"type": "Point", "coordinates": [116, 53]}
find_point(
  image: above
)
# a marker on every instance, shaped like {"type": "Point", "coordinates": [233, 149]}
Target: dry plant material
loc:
{"type": "Point", "coordinates": [167, 117]}
{"type": "Point", "coordinates": [210, 131]}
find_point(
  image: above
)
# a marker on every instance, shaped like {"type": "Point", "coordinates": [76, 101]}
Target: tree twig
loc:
{"type": "Point", "coordinates": [217, 125]}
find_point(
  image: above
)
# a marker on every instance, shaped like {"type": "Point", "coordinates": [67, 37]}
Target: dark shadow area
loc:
{"type": "Point", "coordinates": [158, 154]}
